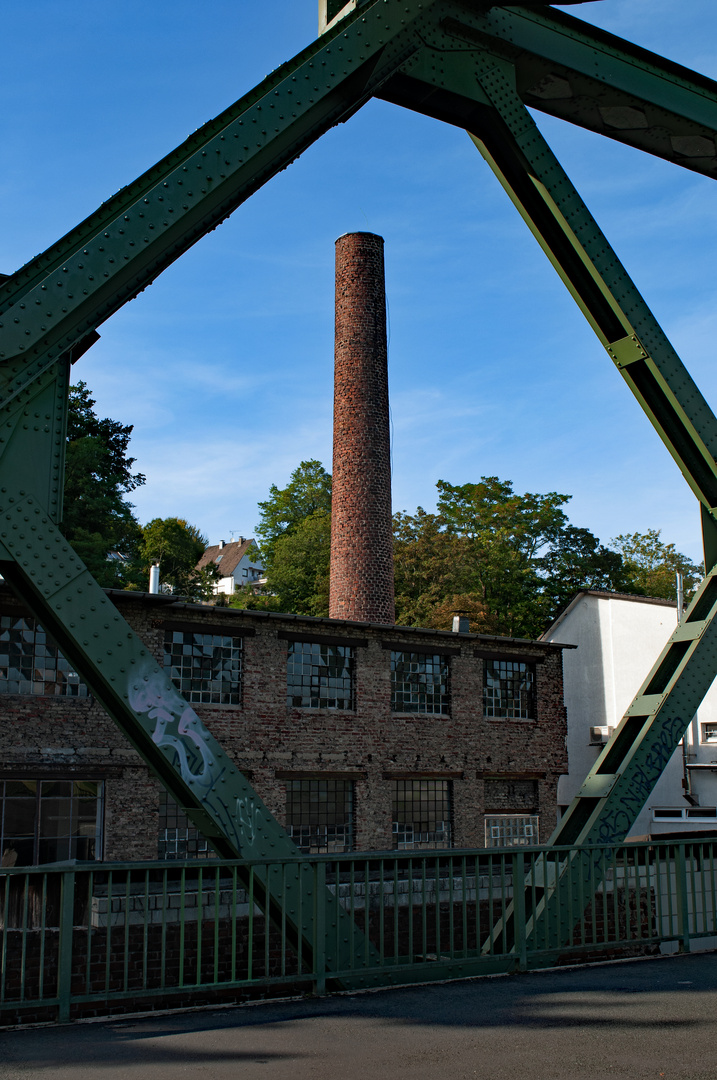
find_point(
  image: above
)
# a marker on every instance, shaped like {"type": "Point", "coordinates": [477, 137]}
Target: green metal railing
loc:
{"type": "Point", "coordinates": [96, 938]}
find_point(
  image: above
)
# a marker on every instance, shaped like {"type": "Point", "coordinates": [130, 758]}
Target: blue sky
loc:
{"type": "Point", "coordinates": [224, 365]}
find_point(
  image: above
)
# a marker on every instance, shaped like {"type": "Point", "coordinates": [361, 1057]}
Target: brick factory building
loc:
{"type": "Point", "coordinates": [357, 736]}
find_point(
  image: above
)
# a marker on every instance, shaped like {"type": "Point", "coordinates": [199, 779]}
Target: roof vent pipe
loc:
{"type": "Point", "coordinates": [154, 578]}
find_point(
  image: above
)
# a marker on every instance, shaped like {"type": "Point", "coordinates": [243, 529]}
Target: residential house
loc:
{"type": "Point", "coordinates": [238, 563]}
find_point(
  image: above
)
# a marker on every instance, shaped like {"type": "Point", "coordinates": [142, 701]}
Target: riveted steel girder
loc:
{"type": "Point", "coordinates": [616, 789]}
{"type": "Point", "coordinates": [620, 782]}
{"type": "Point", "coordinates": [594, 79]}
{"type": "Point", "coordinates": [469, 62]}
{"type": "Point", "coordinates": [165, 730]}
{"type": "Point", "coordinates": [476, 90]}
{"type": "Point", "coordinates": [65, 293]}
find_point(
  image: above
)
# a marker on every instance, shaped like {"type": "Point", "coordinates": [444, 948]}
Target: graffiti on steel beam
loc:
{"type": "Point", "coordinates": [180, 733]}
{"type": "Point", "coordinates": [642, 779]}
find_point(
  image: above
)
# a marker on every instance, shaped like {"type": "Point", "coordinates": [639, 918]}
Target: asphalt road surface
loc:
{"type": "Point", "coordinates": [644, 1019]}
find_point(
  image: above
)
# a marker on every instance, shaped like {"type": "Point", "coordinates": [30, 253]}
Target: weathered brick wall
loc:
{"type": "Point", "coordinates": [273, 742]}
{"type": "Point", "coordinates": [361, 584]}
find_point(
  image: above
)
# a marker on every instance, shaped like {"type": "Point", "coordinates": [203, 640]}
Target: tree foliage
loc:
{"type": "Point", "coordinates": [177, 546]}
{"type": "Point", "coordinates": [298, 578]}
{"type": "Point", "coordinates": [98, 520]}
{"type": "Point", "coordinates": [652, 565]}
{"type": "Point", "coordinates": [308, 492]}
{"type": "Point", "coordinates": [508, 561]}
{"type": "Point", "coordinates": [295, 536]}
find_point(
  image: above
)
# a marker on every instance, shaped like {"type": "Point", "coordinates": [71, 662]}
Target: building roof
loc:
{"type": "Point", "coordinates": [226, 558]}
{"type": "Point", "coordinates": [603, 594]}
{"type": "Point", "coordinates": [319, 623]}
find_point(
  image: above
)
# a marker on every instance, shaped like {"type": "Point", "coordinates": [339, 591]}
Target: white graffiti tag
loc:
{"type": "Point", "coordinates": [150, 694]}
{"type": "Point", "coordinates": [249, 817]}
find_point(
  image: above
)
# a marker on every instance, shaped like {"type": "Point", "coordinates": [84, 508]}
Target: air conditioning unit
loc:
{"type": "Point", "coordinates": [599, 736]}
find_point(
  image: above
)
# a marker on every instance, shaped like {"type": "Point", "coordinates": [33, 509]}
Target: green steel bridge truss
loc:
{"type": "Point", "coordinates": [469, 63]}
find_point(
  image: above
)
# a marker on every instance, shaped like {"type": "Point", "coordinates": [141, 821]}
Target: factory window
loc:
{"type": "Point", "coordinates": [319, 676]}
{"type": "Point", "coordinates": [511, 830]}
{"type": "Point", "coordinates": [45, 821]}
{"type": "Point", "coordinates": [178, 838]}
{"type": "Point", "coordinates": [508, 690]}
{"type": "Point", "coordinates": [319, 815]}
{"type": "Point", "coordinates": [421, 811]}
{"type": "Point", "coordinates": [205, 668]}
{"type": "Point", "coordinates": [709, 733]}
{"type": "Point", "coordinates": [31, 663]}
{"type": "Point", "coordinates": [419, 682]}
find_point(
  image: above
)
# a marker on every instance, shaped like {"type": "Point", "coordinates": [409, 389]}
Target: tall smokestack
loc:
{"type": "Point", "coordinates": [361, 535]}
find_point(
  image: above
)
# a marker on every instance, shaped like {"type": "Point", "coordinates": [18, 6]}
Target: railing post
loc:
{"type": "Point", "coordinates": [320, 929]}
{"type": "Point", "coordinates": [521, 943]}
{"type": "Point", "coordinates": [64, 945]}
{"type": "Point", "coordinates": [683, 911]}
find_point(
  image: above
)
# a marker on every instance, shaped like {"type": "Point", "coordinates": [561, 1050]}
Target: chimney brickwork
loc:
{"type": "Point", "coordinates": [361, 535]}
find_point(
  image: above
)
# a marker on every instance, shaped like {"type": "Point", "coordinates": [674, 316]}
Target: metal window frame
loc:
{"type": "Point", "coordinates": [301, 655]}
{"type": "Point", "coordinates": [301, 831]}
{"type": "Point", "coordinates": [532, 696]}
{"type": "Point", "coordinates": [205, 695]}
{"type": "Point", "coordinates": [421, 660]}
{"type": "Point", "coordinates": [38, 836]}
{"type": "Point", "coordinates": [426, 837]}
{"type": "Point", "coordinates": [498, 828]}
{"type": "Point", "coordinates": [62, 687]}
{"type": "Point", "coordinates": [172, 818]}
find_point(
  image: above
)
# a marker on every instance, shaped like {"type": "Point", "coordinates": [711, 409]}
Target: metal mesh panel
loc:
{"type": "Point", "coordinates": [511, 830]}
{"type": "Point", "coordinates": [319, 676]}
{"type": "Point", "coordinates": [31, 663]}
{"type": "Point", "coordinates": [509, 689]}
{"type": "Point", "coordinates": [205, 668]}
{"type": "Point", "coordinates": [43, 821]}
{"type": "Point", "coordinates": [422, 813]}
{"type": "Point", "coordinates": [178, 838]}
{"type": "Point", "coordinates": [319, 815]}
{"type": "Point", "coordinates": [419, 683]}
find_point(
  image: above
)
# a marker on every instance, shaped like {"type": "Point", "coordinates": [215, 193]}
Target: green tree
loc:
{"type": "Point", "coordinates": [504, 536]}
{"type": "Point", "coordinates": [98, 520]}
{"type": "Point", "coordinates": [509, 561]}
{"type": "Point", "coordinates": [651, 565]}
{"type": "Point", "coordinates": [577, 560]}
{"type": "Point", "coordinates": [308, 492]}
{"type": "Point", "coordinates": [295, 540]}
{"type": "Point", "coordinates": [298, 579]}
{"type": "Point", "coordinates": [430, 574]}
{"type": "Point", "coordinates": [177, 546]}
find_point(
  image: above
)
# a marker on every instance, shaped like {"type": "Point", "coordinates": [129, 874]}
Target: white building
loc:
{"type": "Point", "coordinates": [619, 638]}
{"type": "Point", "coordinates": [238, 563]}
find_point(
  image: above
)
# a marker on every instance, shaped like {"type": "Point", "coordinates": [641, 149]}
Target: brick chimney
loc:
{"type": "Point", "coordinates": [361, 534]}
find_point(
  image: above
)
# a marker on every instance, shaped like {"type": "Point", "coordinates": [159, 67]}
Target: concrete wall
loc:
{"type": "Point", "coordinates": [619, 639]}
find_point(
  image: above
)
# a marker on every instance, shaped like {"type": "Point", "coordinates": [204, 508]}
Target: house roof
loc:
{"type": "Point", "coordinates": [226, 558]}
{"type": "Point", "coordinates": [605, 595]}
